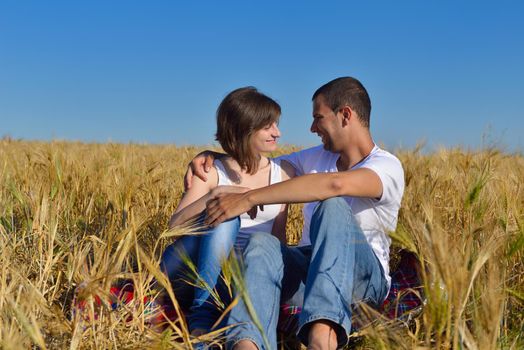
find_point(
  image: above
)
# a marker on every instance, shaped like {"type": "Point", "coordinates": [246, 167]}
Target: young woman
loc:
{"type": "Point", "coordinates": [247, 129]}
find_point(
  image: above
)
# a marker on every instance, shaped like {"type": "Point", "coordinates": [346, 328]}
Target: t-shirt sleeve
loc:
{"type": "Point", "coordinates": [295, 160]}
{"type": "Point", "coordinates": [390, 172]}
{"type": "Point", "coordinates": [307, 160]}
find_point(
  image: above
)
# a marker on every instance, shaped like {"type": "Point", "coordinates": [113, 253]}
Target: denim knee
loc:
{"type": "Point", "coordinates": [219, 240]}
{"type": "Point", "coordinates": [333, 205]}
{"type": "Point", "coordinates": [262, 244]}
{"type": "Point", "coordinates": [231, 224]}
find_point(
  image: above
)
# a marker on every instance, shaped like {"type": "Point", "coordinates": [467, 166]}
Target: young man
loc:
{"type": "Point", "coordinates": [353, 190]}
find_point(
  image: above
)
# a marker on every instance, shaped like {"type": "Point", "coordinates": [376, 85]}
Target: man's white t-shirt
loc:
{"type": "Point", "coordinates": [376, 217]}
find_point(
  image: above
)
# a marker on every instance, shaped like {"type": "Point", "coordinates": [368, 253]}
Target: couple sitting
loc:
{"type": "Point", "coordinates": [352, 189]}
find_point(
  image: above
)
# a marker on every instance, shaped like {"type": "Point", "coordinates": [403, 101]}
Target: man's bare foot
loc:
{"type": "Point", "coordinates": [198, 332]}
{"type": "Point", "coordinates": [322, 336]}
{"type": "Point", "coordinates": [245, 345]}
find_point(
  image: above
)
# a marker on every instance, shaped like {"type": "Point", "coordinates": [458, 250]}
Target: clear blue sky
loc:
{"type": "Point", "coordinates": [447, 72]}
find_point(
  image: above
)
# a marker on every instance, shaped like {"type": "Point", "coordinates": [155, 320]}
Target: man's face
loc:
{"type": "Point", "coordinates": [325, 123]}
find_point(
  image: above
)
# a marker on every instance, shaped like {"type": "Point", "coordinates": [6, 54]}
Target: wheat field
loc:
{"type": "Point", "coordinates": [75, 218]}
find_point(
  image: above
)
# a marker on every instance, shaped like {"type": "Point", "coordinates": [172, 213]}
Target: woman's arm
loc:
{"type": "Point", "coordinates": [194, 200]}
{"type": "Point", "coordinates": [279, 225]}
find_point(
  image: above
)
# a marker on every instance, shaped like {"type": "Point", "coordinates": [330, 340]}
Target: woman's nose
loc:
{"type": "Point", "coordinates": [276, 130]}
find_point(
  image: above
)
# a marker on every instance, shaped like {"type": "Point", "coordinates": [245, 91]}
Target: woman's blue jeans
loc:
{"type": "Point", "coordinates": [206, 251]}
{"type": "Point", "coordinates": [337, 270]}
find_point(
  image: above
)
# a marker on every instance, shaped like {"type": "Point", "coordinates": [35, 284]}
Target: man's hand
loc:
{"type": "Point", "coordinates": [235, 189]}
{"type": "Point", "coordinates": [226, 206]}
{"type": "Point", "coordinates": [199, 166]}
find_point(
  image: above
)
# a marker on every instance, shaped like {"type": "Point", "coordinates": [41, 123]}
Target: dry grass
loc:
{"type": "Point", "coordinates": [89, 214]}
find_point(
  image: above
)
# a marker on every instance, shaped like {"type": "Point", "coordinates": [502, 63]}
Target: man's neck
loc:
{"type": "Point", "coordinates": [355, 153]}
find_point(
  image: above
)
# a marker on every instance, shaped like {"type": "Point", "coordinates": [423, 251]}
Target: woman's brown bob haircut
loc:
{"type": "Point", "coordinates": [241, 113]}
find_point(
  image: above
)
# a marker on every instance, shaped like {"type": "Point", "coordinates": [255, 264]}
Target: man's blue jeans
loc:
{"type": "Point", "coordinates": [206, 251]}
{"type": "Point", "coordinates": [337, 270]}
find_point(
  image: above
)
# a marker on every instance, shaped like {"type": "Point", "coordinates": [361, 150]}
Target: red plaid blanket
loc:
{"type": "Point", "coordinates": [405, 295]}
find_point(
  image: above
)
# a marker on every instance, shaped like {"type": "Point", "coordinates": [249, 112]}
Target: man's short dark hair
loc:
{"type": "Point", "coordinates": [346, 91]}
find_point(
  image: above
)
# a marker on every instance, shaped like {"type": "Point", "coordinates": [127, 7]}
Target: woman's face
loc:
{"type": "Point", "coordinates": [265, 139]}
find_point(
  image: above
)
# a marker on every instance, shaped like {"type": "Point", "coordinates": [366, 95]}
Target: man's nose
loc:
{"type": "Point", "coordinates": [313, 127]}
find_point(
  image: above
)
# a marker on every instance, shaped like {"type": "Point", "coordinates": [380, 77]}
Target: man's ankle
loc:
{"type": "Point", "coordinates": [245, 345]}
{"type": "Point", "coordinates": [322, 336]}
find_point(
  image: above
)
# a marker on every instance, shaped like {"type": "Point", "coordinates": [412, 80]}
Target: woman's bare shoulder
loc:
{"type": "Point", "coordinates": [288, 172]}
{"type": "Point", "coordinates": [212, 179]}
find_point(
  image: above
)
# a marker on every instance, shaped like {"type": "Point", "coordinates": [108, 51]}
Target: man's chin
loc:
{"type": "Point", "coordinates": [326, 146]}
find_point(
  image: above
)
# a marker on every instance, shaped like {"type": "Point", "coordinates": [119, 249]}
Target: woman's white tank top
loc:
{"type": "Point", "coordinates": [264, 220]}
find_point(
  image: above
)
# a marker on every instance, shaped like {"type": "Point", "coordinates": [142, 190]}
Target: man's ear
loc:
{"type": "Point", "coordinates": [347, 114]}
